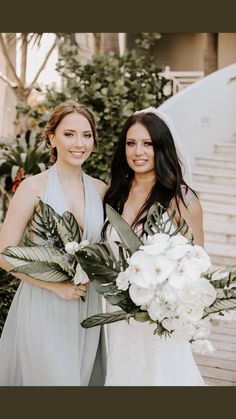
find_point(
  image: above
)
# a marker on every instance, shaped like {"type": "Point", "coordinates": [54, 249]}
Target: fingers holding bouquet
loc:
{"type": "Point", "coordinates": [67, 290]}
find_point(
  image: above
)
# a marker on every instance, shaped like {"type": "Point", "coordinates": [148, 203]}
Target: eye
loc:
{"type": "Point", "coordinates": [130, 143]}
{"type": "Point", "coordinates": [88, 135]}
{"type": "Point", "coordinates": [68, 134]}
{"type": "Point", "coordinates": [148, 143]}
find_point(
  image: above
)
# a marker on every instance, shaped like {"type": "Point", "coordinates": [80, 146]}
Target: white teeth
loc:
{"type": "Point", "coordinates": [77, 153]}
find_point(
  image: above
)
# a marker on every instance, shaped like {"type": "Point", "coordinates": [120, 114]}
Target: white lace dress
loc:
{"type": "Point", "coordinates": [137, 357]}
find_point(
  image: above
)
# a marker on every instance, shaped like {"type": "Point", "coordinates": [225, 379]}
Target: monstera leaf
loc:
{"type": "Point", "coordinates": [157, 223]}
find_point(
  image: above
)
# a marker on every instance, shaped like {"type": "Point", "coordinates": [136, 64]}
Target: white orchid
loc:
{"type": "Point", "coordinates": [201, 257]}
{"type": "Point", "coordinates": [191, 311]}
{"type": "Point", "coordinates": [122, 281]}
{"type": "Point", "coordinates": [140, 295]}
{"type": "Point", "coordinates": [202, 346]}
{"type": "Point", "coordinates": [156, 244]}
{"type": "Point", "coordinates": [178, 247]}
{"type": "Point", "coordinates": [80, 275]}
{"type": "Point", "coordinates": [72, 247]}
{"type": "Point", "coordinates": [158, 309]}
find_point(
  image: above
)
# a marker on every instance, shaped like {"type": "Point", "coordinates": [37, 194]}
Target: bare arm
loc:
{"type": "Point", "coordinates": [193, 216]}
{"type": "Point", "coordinates": [18, 215]}
{"type": "Point", "coordinates": [100, 186]}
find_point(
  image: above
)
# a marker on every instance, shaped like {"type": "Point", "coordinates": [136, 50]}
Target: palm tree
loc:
{"type": "Point", "coordinates": [17, 82]}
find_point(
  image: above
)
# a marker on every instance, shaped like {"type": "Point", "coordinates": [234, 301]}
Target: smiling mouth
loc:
{"type": "Point", "coordinates": [139, 161]}
{"type": "Point", "coordinates": [77, 153]}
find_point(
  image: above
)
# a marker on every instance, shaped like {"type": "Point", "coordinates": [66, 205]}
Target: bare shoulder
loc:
{"type": "Point", "coordinates": [100, 186]}
{"type": "Point", "coordinates": [33, 185]}
{"type": "Point", "coordinates": [191, 206]}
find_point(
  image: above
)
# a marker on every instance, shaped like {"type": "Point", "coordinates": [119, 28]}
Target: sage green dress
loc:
{"type": "Point", "coordinates": [43, 342]}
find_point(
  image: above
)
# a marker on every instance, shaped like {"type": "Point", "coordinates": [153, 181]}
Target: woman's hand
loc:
{"type": "Point", "coordinates": [68, 291]}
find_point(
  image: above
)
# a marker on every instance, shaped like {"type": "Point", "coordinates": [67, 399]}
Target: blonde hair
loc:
{"type": "Point", "coordinates": [60, 111]}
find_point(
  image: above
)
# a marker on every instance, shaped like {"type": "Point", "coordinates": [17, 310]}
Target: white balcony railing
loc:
{"type": "Point", "coordinates": [181, 79]}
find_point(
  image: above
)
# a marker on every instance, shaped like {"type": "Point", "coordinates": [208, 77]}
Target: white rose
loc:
{"type": "Point", "coordinates": [71, 247]}
{"type": "Point", "coordinates": [122, 281]}
{"type": "Point", "coordinates": [140, 295]}
{"type": "Point", "coordinates": [203, 346]}
{"type": "Point", "coordinates": [80, 276]}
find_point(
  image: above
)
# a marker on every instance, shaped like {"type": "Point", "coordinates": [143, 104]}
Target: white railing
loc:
{"type": "Point", "coordinates": [181, 79]}
{"type": "Point", "coordinates": [204, 113]}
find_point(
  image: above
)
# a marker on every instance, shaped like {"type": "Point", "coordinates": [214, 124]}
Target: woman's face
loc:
{"type": "Point", "coordinates": [139, 149]}
{"type": "Point", "coordinates": [73, 139]}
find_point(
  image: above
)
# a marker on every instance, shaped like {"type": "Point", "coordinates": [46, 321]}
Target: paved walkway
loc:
{"type": "Point", "coordinates": [219, 368]}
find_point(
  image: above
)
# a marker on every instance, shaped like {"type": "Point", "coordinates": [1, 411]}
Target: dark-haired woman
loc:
{"type": "Point", "coordinates": [146, 168]}
{"type": "Point", "coordinates": [43, 343]}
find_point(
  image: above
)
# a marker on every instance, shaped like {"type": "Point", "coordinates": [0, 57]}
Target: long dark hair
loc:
{"type": "Point", "coordinates": [168, 169]}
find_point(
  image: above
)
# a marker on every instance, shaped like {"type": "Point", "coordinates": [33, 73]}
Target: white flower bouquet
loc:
{"type": "Point", "coordinates": [55, 258]}
{"type": "Point", "coordinates": [164, 279]}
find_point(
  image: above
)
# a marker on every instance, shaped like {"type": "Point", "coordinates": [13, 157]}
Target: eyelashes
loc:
{"type": "Point", "coordinates": [132, 143]}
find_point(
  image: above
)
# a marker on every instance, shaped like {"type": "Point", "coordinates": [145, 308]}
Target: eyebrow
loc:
{"type": "Point", "coordinates": [143, 139]}
{"type": "Point", "coordinates": [73, 130]}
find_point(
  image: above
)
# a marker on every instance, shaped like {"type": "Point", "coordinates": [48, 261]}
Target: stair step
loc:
{"type": "Point", "coordinates": [219, 232]}
{"type": "Point", "coordinates": [216, 193]}
{"type": "Point", "coordinates": [216, 161]}
{"type": "Point", "coordinates": [216, 176]}
{"type": "Point", "coordinates": [229, 147]}
{"type": "Point", "coordinates": [218, 212]}
{"type": "Point", "coordinates": [221, 254]}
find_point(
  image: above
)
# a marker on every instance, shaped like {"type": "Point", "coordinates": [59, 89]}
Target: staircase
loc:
{"type": "Point", "coordinates": [214, 179]}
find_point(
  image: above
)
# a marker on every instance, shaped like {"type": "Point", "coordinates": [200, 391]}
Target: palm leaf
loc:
{"type": "Point", "coordinates": [71, 226]}
{"type": "Point", "coordinates": [41, 270]}
{"type": "Point", "coordinates": [106, 318]}
{"type": "Point", "coordinates": [102, 268]}
{"type": "Point", "coordinates": [155, 222]}
{"type": "Point", "coordinates": [226, 276]}
{"type": "Point", "coordinates": [129, 239]}
{"type": "Point", "coordinates": [220, 305]}
{"type": "Point", "coordinates": [48, 256]}
{"type": "Point", "coordinates": [43, 223]}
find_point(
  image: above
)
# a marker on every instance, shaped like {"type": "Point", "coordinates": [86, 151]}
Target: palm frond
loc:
{"type": "Point", "coordinates": [155, 222]}
{"type": "Point", "coordinates": [49, 256]}
{"type": "Point", "coordinates": [71, 226]}
{"type": "Point", "coordinates": [41, 270]}
{"type": "Point", "coordinates": [106, 318]}
{"type": "Point", "coordinates": [102, 268]}
{"type": "Point", "coordinates": [43, 223]}
{"type": "Point", "coordinates": [222, 277]}
{"type": "Point", "coordinates": [220, 305]}
{"type": "Point", "coordinates": [129, 239]}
